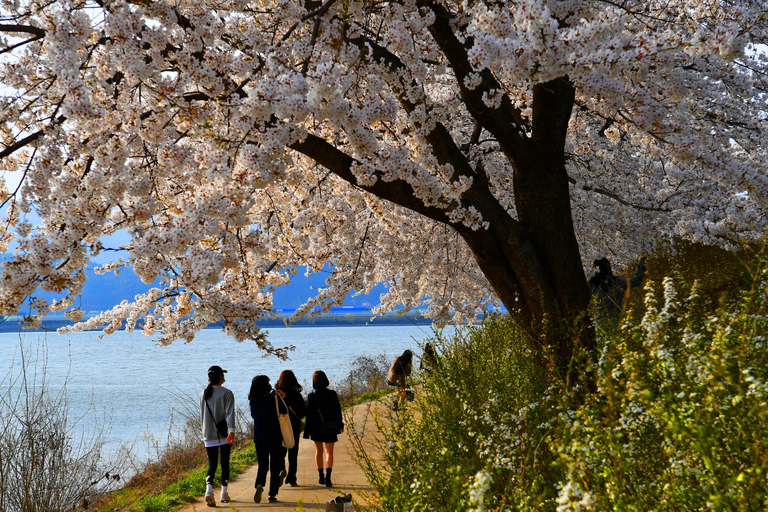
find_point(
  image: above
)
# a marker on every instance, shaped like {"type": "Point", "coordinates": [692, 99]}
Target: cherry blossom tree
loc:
{"type": "Point", "coordinates": [464, 153]}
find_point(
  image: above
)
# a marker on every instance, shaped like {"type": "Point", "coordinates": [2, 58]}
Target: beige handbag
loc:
{"type": "Point", "coordinates": [285, 425]}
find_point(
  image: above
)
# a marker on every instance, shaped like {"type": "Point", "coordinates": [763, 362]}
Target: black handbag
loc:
{"type": "Point", "coordinates": [221, 426]}
{"type": "Point", "coordinates": [327, 428]}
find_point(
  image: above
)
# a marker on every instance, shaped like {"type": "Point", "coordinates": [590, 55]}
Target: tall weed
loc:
{"type": "Point", "coordinates": [457, 442]}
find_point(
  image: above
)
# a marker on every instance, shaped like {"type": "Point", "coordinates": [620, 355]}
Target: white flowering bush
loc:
{"type": "Point", "coordinates": [472, 438]}
{"type": "Point", "coordinates": [677, 421]}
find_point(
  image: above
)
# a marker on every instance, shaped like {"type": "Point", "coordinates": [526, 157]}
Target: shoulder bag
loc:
{"type": "Point", "coordinates": [327, 428]}
{"type": "Point", "coordinates": [221, 426]}
{"type": "Point", "coordinates": [285, 424]}
{"type": "Point", "coordinates": [301, 421]}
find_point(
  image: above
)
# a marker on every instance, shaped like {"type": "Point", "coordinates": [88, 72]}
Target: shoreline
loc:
{"type": "Point", "coordinates": [334, 319]}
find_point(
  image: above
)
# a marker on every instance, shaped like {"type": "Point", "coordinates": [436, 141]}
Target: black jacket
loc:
{"type": "Point", "coordinates": [298, 409]}
{"type": "Point", "coordinates": [327, 401]}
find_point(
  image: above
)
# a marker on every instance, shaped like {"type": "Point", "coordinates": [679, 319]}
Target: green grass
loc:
{"type": "Point", "coordinates": [184, 490]}
{"type": "Point", "coordinates": [367, 397]}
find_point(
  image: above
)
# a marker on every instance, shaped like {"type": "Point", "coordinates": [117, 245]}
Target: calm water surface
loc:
{"type": "Point", "coordinates": [136, 384]}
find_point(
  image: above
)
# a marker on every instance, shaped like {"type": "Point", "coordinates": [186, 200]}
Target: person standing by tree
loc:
{"type": "Point", "coordinates": [428, 358]}
{"type": "Point", "coordinates": [267, 438]}
{"type": "Point", "coordinates": [609, 290]}
{"type": "Point", "coordinates": [217, 415]}
{"type": "Point", "coordinates": [324, 423]}
{"type": "Point", "coordinates": [288, 384]}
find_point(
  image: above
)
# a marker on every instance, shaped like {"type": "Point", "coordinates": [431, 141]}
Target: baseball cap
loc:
{"type": "Point", "coordinates": [215, 370]}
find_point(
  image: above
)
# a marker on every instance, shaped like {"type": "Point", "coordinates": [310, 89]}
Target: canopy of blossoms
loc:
{"type": "Point", "coordinates": [237, 141]}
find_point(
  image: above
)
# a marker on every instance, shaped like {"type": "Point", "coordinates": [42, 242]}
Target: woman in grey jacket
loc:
{"type": "Point", "coordinates": [217, 415]}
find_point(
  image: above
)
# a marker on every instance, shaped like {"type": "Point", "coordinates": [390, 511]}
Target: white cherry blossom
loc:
{"type": "Point", "coordinates": [238, 141]}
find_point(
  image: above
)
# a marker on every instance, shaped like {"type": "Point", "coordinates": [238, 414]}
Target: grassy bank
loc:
{"type": "Point", "coordinates": [154, 491]}
{"type": "Point", "coordinates": [678, 421]}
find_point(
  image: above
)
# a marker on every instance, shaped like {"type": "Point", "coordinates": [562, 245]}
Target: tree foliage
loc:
{"type": "Point", "coordinates": [462, 152]}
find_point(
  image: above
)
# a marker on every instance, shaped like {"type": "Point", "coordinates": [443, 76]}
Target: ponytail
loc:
{"type": "Point", "coordinates": [215, 374]}
{"type": "Point", "coordinates": [208, 391]}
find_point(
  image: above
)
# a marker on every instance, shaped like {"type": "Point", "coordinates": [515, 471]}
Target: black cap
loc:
{"type": "Point", "coordinates": [215, 370]}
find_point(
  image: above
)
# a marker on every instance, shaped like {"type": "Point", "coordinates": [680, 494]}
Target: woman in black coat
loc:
{"type": "Point", "coordinates": [267, 437]}
{"type": "Point", "coordinates": [288, 384]}
{"type": "Point", "coordinates": [323, 408]}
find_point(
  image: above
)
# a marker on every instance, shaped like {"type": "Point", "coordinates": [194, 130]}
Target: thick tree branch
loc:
{"type": "Point", "coordinates": [23, 29]}
{"type": "Point", "coordinates": [506, 122]}
{"type": "Point", "coordinates": [339, 163]}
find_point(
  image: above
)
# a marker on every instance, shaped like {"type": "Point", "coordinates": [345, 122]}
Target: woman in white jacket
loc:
{"type": "Point", "coordinates": [217, 414]}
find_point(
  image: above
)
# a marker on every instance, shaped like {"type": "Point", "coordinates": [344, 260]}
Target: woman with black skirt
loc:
{"type": "Point", "coordinates": [288, 384]}
{"type": "Point", "coordinates": [324, 422]}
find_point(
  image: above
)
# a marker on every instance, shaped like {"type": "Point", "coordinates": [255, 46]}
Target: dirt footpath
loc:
{"type": "Point", "coordinates": [348, 478]}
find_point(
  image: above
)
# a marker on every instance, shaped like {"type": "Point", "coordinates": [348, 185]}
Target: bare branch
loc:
{"type": "Point", "coordinates": [23, 29]}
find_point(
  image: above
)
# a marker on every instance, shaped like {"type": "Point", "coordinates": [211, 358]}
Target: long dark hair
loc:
{"type": "Point", "coordinates": [320, 380]}
{"type": "Point", "coordinates": [406, 357]}
{"type": "Point", "coordinates": [214, 378]}
{"type": "Point", "coordinates": [259, 387]}
{"type": "Point", "coordinates": [287, 380]}
{"type": "Point", "coordinates": [604, 276]}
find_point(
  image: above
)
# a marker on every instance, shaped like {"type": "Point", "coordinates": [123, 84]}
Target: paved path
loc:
{"type": "Point", "coordinates": [348, 478]}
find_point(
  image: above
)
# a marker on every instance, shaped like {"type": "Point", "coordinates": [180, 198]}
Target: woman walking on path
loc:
{"type": "Point", "coordinates": [288, 384]}
{"type": "Point", "coordinates": [267, 437]}
{"type": "Point", "coordinates": [217, 415]}
{"type": "Point", "coordinates": [324, 422]}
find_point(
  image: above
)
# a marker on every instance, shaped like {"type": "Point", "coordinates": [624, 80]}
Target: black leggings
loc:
{"type": "Point", "coordinates": [270, 459]}
{"type": "Point", "coordinates": [213, 456]}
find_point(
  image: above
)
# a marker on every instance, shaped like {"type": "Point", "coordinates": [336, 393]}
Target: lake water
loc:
{"type": "Point", "coordinates": [137, 384]}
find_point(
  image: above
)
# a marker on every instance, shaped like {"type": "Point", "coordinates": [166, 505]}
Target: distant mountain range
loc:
{"type": "Point", "coordinates": [101, 292]}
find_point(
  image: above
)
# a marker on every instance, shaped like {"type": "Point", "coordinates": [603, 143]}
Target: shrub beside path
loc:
{"type": "Point", "coordinates": [348, 477]}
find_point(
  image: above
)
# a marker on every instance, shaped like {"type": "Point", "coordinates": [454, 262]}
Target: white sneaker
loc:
{"type": "Point", "coordinates": [225, 498]}
{"type": "Point", "coordinates": [209, 500]}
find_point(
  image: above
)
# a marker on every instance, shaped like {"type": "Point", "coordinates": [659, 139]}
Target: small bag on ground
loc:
{"type": "Point", "coordinates": [339, 504]}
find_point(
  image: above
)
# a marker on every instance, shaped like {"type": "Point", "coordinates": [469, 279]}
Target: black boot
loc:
{"type": "Point", "coordinates": [328, 477]}
{"type": "Point", "coordinates": [321, 481]}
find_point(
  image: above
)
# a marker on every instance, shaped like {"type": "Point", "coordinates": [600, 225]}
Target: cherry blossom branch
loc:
{"type": "Point", "coordinates": [37, 35]}
{"type": "Point", "coordinates": [445, 148]}
{"type": "Point", "coordinates": [12, 148]}
{"type": "Point", "coordinates": [618, 199]}
{"type": "Point", "coordinates": [484, 242]}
